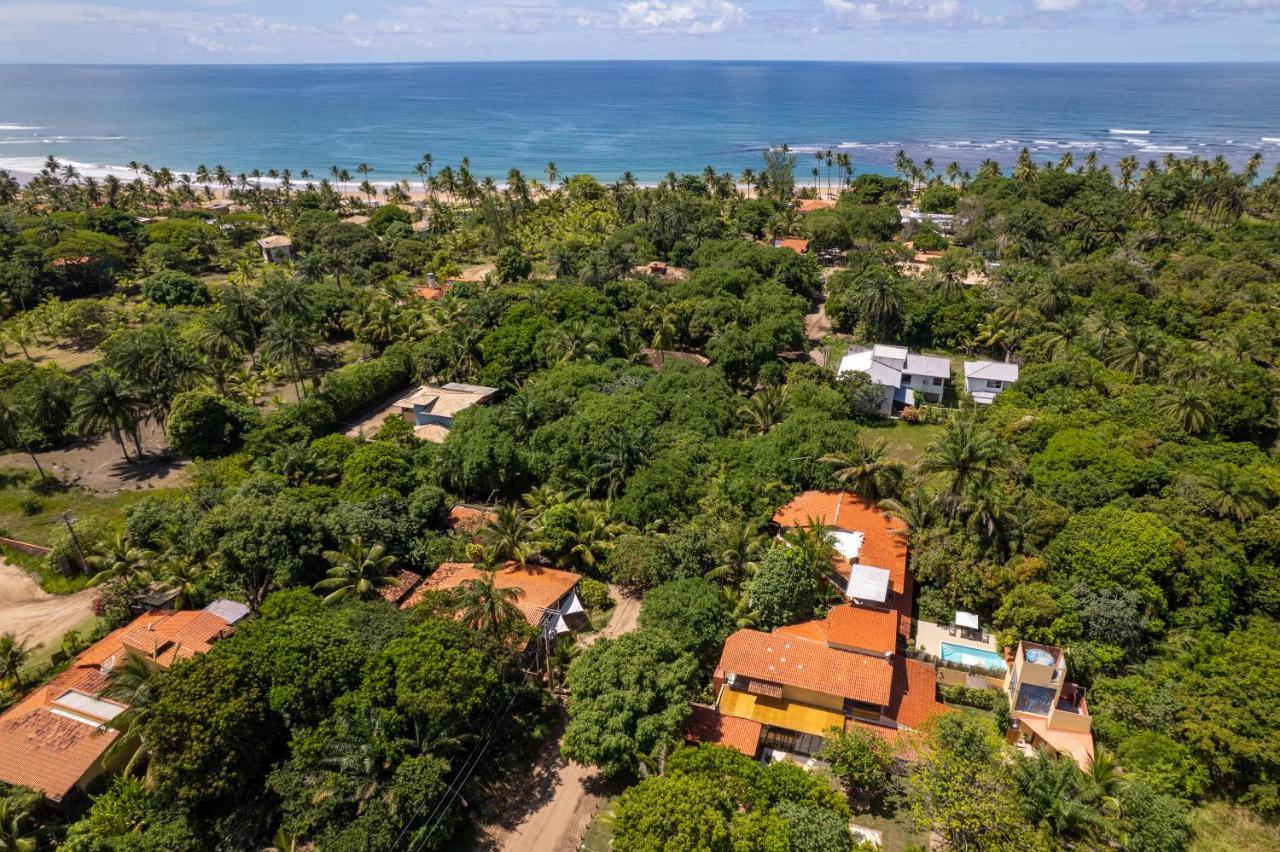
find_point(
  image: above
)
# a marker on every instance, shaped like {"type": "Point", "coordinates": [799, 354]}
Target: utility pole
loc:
{"type": "Point", "coordinates": [75, 540]}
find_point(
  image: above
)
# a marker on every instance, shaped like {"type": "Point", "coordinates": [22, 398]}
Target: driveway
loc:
{"type": "Point", "coordinates": [559, 821]}
{"type": "Point", "coordinates": [35, 616]}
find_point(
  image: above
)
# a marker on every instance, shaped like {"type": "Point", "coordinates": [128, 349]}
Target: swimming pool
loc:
{"type": "Point", "coordinates": [972, 657]}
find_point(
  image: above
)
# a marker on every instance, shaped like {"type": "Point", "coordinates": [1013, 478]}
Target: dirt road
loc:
{"type": "Point", "coordinates": [559, 821]}
{"type": "Point", "coordinates": [34, 615]}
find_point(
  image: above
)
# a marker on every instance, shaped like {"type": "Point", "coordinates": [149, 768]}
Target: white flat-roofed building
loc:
{"type": "Point", "coordinates": [904, 375]}
{"type": "Point", "coordinates": [868, 583]}
{"type": "Point", "coordinates": [986, 380]}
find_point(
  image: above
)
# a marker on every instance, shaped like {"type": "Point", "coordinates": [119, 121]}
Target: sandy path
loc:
{"type": "Point", "coordinates": [37, 617]}
{"type": "Point", "coordinates": [562, 818]}
{"type": "Point", "coordinates": [97, 464]}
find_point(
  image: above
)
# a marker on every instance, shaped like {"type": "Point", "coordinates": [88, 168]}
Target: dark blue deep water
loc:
{"type": "Point", "coordinates": [646, 117]}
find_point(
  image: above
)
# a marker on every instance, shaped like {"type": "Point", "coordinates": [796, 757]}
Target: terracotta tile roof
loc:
{"type": "Point", "coordinates": [470, 519]}
{"type": "Point", "coordinates": [433, 294]}
{"type": "Point", "coordinates": [406, 582]}
{"type": "Point", "coordinates": [705, 725]}
{"type": "Point", "coordinates": [883, 542]}
{"type": "Point", "coordinates": [796, 244]}
{"type": "Point", "coordinates": [865, 628]}
{"type": "Point", "coordinates": [42, 748]}
{"type": "Point", "coordinates": [915, 693]}
{"type": "Point", "coordinates": [792, 661]}
{"type": "Point", "coordinates": [539, 587]}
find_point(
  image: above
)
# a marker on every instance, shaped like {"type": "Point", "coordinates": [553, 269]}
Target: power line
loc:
{"type": "Point", "coordinates": [455, 787]}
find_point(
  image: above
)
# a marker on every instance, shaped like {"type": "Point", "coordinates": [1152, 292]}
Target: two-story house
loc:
{"type": "Point", "coordinates": [1047, 711]}
{"type": "Point", "coordinates": [905, 377]}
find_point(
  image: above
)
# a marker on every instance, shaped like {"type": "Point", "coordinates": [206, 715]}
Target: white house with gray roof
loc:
{"type": "Point", "coordinates": [907, 378]}
{"type": "Point", "coordinates": [986, 380]}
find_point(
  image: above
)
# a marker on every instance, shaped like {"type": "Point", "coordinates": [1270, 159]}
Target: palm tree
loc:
{"type": "Point", "coordinates": [509, 537]}
{"type": "Point", "coordinates": [13, 656]}
{"type": "Point", "coordinates": [1187, 405]}
{"type": "Point", "coordinates": [763, 411]}
{"type": "Point", "coordinates": [1104, 773]}
{"type": "Point", "coordinates": [1137, 352]}
{"type": "Point", "coordinates": [290, 341]}
{"type": "Point", "coordinates": [817, 543]}
{"type": "Point", "coordinates": [743, 545]}
{"type": "Point", "coordinates": [965, 454]}
{"type": "Point", "coordinates": [592, 536]}
{"type": "Point", "coordinates": [866, 470]}
{"type": "Point", "coordinates": [917, 511]}
{"type": "Point", "coordinates": [879, 298]}
{"type": "Point", "coordinates": [1055, 795]}
{"type": "Point", "coordinates": [133, 681]}
{"type": "Point", "coordinates": [16, 811]}
{"type": "Point", "coordinates": [552, 174]}
{"type": "Point", "coordinates": [1233, 493]}
{"type": "Point", "coordinates": [104, 403]}
{"type": "Point", "coordinates": [12, 418]}
{"type": "Point", "coordinates": [484, 606]}
{"type": "Point", "coordinates": [120, 559]}
{"type": "Point", "coordinates": [623, 453]}
{"type": "Point", "coordinates": [357, 571]}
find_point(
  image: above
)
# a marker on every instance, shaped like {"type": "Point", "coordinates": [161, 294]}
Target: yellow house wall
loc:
{"type": "Point", "coordinates": [816, 699]}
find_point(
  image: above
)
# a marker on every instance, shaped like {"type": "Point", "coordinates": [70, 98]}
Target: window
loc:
{"type": "Point", "coordinates": [995, 384]}
{"type": "Point", "coordinates": [937, 381]}
{"type": "Point", "coordinates": [906, 377]}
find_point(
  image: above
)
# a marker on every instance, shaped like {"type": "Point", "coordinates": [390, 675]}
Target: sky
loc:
{"type": "Point", "coordinates": [292, 31]}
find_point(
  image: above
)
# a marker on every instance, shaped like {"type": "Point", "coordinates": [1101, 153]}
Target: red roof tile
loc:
{"type": "Point", "coordinates": [406, 582]}
{"type": "Point", "coordinates": [802, 663]}
{"type": "Point", "coordinates": [915, 693]}
{"type": "Point", "coordinates": [470, 519]}
{"type": "Point", "coordinates": [865, 628]}
{"type": "Point", "coordinates": [884, 543]}
{"type": "Point", "coordinates": [42, 748]}
{"type": "Point", "coordinates": [707, 725]}
{"type": "Point", "coordinates": [796, 244]}
{"type": "Point", "coordinates": [539, 587]}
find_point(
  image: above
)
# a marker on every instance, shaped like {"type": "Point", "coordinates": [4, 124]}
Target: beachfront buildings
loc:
{"type": "Point", "coordinates": [906, 378]}
{"type": "Point", "coordinates": [56, 738]}
{"type": "Point", "coordinates": [431, 408]}
{"type": "Point", "coordinates": [985, 380]}
{"type": "Point", "coordinates": [782, 692]}
{"type": "Point", "coordinates": [1047, 712]}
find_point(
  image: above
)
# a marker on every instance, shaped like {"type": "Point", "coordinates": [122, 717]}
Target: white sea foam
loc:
{"type": "Point", "coordinates": [1275, 139]}
{"type": "Point", "coordinates": [1123, 131]}
{"type": "Point", "coordinates": [19, 127]}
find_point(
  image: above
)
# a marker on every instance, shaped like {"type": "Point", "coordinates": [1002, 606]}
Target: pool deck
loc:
{"type": "Point", "coordinates": [930, 636]}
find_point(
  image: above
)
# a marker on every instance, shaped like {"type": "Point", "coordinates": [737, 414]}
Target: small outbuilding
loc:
{"type": "Point", "coordinates": [276, 248]}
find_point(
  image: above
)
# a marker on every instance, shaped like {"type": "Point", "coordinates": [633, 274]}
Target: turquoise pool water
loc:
{"type": "Point", "coordinates": [972, 657]}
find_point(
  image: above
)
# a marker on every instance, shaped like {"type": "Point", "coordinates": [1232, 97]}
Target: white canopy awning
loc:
{"type": "Point", "coordinates": [966, 619]}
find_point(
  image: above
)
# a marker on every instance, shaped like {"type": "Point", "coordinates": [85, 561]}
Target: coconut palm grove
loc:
{"type": "Point", "coordinates": [437, 514]}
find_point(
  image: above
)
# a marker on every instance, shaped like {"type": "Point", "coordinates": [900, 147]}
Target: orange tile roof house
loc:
{"type": "Point", "coordinates": [548, 597]}
{"type": "Point", "coordinates": [53, 740]}
{"type": "Point", "coordinates": [840, 671]}
{"type": "Point", "coordinates": [796, 244]}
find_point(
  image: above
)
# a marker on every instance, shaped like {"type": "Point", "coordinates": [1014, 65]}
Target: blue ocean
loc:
{"type": "Point", "coordinates": [605, 118]}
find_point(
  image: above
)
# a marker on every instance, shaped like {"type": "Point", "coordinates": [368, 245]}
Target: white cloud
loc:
{"type": "Point", "coordinates": [1057, 5]}
{"type": "Point", "coordinates": [901, 12]}
{"type": "Point", "coordinates": [685, 16]}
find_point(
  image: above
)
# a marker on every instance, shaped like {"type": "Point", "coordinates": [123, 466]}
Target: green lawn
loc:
{"type": "Point", "coordinates": [31, 514]}
{"type": "Point", "coordinates": [905, 442]}
{"type": "Point", "coordinates": [1222, 827]}
{"type": "Point", "coordinates": [897, 832]}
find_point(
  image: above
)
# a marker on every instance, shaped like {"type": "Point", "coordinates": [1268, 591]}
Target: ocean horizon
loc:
{"type": "Point", "coordinates": [645, 117]}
